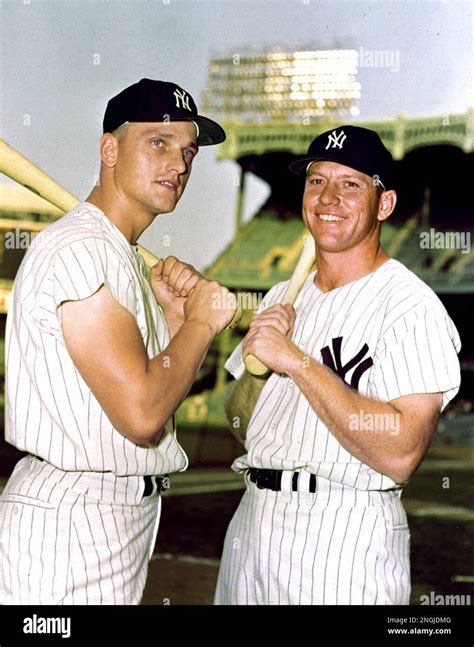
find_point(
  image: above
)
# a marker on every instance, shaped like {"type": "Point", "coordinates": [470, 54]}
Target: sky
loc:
{"type": "Point", "coordinates": [61, 60]}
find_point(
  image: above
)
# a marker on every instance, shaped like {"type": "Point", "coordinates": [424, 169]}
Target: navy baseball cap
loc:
{"type": "Point", "coordinates": [150, 100]}
{"type": "Point", "coordinates": [353, 146]}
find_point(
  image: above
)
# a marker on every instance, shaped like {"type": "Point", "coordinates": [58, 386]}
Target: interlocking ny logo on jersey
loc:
{"type": "Point", "coordinates": [336, 140]}
{"type": "Point", "coordinates": [335, 362]}
{"type": "Point", "coordinates": [183, 98]}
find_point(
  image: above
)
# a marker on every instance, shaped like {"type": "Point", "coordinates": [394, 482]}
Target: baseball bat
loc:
{"type": "Point", "coordinates": [299, 276]}
{"type": "Point", "coordinates": [16, 166]}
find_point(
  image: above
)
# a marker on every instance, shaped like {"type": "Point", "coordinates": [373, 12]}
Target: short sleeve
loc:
{"type": "Point", "coordinates": [235, 364]}
{"type": "Point", "coordinates": [418, 354]}
{"type": "Point", "coordinates": [81, 267]}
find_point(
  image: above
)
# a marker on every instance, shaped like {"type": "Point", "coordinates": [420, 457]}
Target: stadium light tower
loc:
{"type": "Point", "coordinates": [284, 86]}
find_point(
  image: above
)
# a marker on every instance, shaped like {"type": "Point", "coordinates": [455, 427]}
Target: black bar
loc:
{"type": "Point", "coordinates": [295, 624]}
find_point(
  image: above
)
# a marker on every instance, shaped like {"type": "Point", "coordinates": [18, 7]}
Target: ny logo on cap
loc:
{"type": "Point", "coordinates": [336, 140]}
{"type": "Point", "coordinates": [183, 98]}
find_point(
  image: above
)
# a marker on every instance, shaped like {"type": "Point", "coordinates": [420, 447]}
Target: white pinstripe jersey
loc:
{"type": "Point", "coordinates": [50, 410]}
{"type": "Point", "coordinates": [386, 334]}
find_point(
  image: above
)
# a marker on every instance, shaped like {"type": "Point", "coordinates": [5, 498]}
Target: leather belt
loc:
{"type": "Point", "coordinates": [149, 480]}
{"type": "Point", "coordinates": [271, 479]}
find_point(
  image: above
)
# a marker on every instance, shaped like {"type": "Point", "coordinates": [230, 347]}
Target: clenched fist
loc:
{"type": "Point", "coordinates": [210, 303]}
{"type": "Point", "coordinates": [172, 281]}
{"type": "Point", "coordinates": [269, 338]}
{"type": "Point", "coordinates": [185, 295]}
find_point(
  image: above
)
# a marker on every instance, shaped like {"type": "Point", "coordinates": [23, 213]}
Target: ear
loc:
{"type": "Point", "coordinates": [108, 148]}
{"type": "Point", "coordinates": [303, 216]}
{"type": "Point", "coordinates": [387, 202]}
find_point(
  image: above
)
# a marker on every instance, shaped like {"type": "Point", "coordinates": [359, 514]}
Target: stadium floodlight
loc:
{"type": "Point", "coordinates": [283, 86]}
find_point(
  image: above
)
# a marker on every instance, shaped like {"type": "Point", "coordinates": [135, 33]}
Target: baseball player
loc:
{"type": "Point", "coordinates": [98, 359]}
{"type": "Point", "coordinates": [362, 366]}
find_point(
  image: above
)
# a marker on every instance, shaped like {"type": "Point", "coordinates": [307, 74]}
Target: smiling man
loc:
{"type": "Point", "coordinates": [362, 367]}
{"type": "Point", "coordinates": [98, 359]}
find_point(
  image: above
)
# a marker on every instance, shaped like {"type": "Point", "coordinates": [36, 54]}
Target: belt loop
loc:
{"type": "Point", "coordinates": [303, 481]}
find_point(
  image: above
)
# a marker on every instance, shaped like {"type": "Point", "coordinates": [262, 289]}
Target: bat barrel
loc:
{"type": "Point", "coordinates": [22, 170]}
{"type": "Point", "coordinates": [19, 168]}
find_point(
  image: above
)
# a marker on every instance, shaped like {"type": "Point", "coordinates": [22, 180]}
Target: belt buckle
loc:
{"type": "Point", "coordinates": [150, 480]}
{"type": "Point", "coordinates": [269, 480]}
{"type": "Point", "coordinates": [162, 483]}
{"type": "Point", "coordinates": [259, 478]}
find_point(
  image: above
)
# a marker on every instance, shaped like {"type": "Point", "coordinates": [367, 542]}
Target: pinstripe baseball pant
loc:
{"type": "Point", "coordinates": [336, 546]}
{"type": "Point", "coordinates": [74, 537]}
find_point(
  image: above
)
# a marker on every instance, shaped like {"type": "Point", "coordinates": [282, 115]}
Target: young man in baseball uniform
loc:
{"type": "Point", "coordinates": [98, 359]}
{"type": "Point", "coordinates": [362, 367]}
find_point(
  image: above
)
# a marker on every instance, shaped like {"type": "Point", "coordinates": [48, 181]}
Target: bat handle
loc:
{"type": "Point", "coordinates": [255, 367]}
{"type": "Point", "coordinates": [306, 261]}
{"type": "Point", "coordinates": [235, 319]}
{"type": "Point", "coordinates": [149, 258]}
